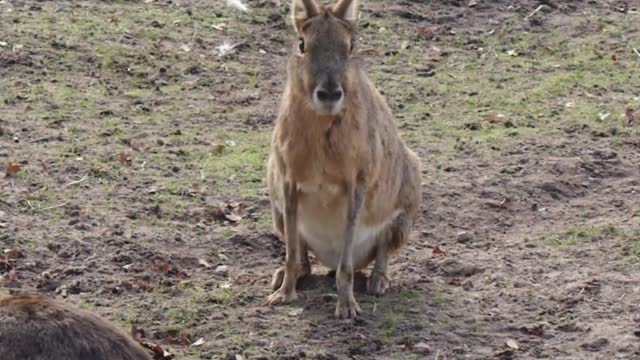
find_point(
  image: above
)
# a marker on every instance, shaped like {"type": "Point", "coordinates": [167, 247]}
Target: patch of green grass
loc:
{"type": "Point", "coordinates": [388, 327]}
{"type": "Point", "coordinates": [441, 298]}
{"type": "Point", "coordinates": [576, 235]}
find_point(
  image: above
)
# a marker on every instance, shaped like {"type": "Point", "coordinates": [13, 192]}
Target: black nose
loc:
{"type": "Point", "coordinates": [333, 95]}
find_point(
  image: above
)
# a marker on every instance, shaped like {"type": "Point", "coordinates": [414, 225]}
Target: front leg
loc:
{"type": "Point", "coordinates": [347, 306]}
{"type": "Point", "coordinates": [293, 266]}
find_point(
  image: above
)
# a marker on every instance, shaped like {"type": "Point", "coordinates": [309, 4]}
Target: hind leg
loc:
{"type": "Point", "coordinates": [278, 275]}
{"type": "Point", "coordinates": [391, 240]}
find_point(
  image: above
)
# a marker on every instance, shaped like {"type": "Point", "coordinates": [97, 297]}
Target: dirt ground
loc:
{"type": "Point", "coordinates": [134, 152]}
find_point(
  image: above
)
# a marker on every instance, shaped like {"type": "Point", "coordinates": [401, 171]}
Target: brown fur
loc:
{"type": "Point", "coordinates": [333, 160]}
{"type": "Point", "coordinates": [34, 327]}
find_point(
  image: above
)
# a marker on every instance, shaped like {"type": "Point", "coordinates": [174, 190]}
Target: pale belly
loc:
{"type": "Point", "coordinates": [322, 220]}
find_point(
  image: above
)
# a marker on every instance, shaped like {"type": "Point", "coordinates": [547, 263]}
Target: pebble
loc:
{"type": "Point", "coordinates": [463, 237]}
{"type": "Point", "coordinates": [222, 270]}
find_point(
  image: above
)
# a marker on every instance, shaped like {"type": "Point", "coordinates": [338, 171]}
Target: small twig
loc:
{"type": "Point", "coordinates": [534, 12]}
{"type": "Point", "coordinates": [581, 291]}
{"type": "Point", "coordinates": [621, 297]}
{"type": "Point", "coordinates": [636, 51]}
{"type": "Point", "coordinates": [54, 206]}
{"type": "Point", "coordinates": [45, 138]}
{"type": "Point", "coordinates": [375, 306]}
{"type": "Point", "coordinates": [437, 355]}
{"type": "Point", "coordinates": [75, 182]}
{"type": "Point", "coordinates": [31, 206]}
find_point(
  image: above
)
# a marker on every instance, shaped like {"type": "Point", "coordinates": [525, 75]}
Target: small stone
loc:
{"type": "Point", "coordinates": [463, 237]}
{"type": "Point", "coordinates": [222, 270]}
{"type": "Point", "coordinates": [422, 348]}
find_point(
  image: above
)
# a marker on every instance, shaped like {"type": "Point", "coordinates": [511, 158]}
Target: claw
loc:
{"type": "Point", "coordinates": [378, 283]}
{"type": "Point", "coordinates": [281, 296]}
{"type": "Point", "coordinates": [347, 310]}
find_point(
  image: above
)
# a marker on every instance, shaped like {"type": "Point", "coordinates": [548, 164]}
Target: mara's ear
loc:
{"type": "Point", "coordinates": [346, 10]}
{"type": "Point", "coordinates": [302, 10]}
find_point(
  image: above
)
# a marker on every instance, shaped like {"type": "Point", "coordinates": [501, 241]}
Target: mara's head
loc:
{"type": "Point", "coordinates": [324, 51]}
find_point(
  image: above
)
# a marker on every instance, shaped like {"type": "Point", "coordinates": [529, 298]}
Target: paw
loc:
{"type": "Point", "coordinates": [281, 296]}
{"type": "Point", "coordinates": [347, 309]}
{"type": "Point", "coordinates": [378, 283]}
{"type": "Point", "coordinates": [278, 276]}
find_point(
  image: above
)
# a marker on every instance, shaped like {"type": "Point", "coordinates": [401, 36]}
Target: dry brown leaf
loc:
{"type": "Point", "coordinates": [370, 51]}
{"type": "Point", "coordinates": [12, 168]}
{"type": "Point", "coordinates": [437, 250]}
{"type": "Point", "coordinates": [125, 158]}
{"type": "Point", "coordinates": [162, 266]}
{"type": "Point", "coordinates": [425, 32]}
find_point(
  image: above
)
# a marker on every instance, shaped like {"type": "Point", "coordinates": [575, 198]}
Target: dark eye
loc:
{"type": "Point", "coordinates": [301, 45]}
{"type": "Point", "coordinates": [353, 43]}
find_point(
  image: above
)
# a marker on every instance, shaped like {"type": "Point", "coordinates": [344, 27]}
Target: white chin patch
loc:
{"type": "Point", "coordinates": [327, 108]}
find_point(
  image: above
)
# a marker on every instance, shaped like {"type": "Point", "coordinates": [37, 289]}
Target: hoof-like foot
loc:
{"type": "Point", "coordinates": [281, 296]}
{"type": "Point", "coordinates": [378, 283]}
{"type": "Point", "coordinates": [348, 309]}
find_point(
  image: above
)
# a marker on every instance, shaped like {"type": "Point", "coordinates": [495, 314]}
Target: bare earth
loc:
{"type": "Point", "coordinates": [135, 160]}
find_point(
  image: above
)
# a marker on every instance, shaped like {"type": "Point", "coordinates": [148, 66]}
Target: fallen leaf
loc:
{"type": "Point", "coordinates": [139, 284]}
{"type": "Point", "coordinates": [12, 168]}
{"type": "Point", "coordinates": [295, 312]}
{"type": "Point", "coordinates": [425, 32]}
{"type": "Point", "coordinates": [614, 57]}
{"type": "Point", "coordinates": [472, 3]}
{"type": "Point", "coordinates": [136, 333]}
{"type": "Point", "coordinates": [512, 52]}
{"type": "Point", "coordinates": [512, 344]}
{"type": "Point", "coordinates": [198, 342]}
{"type": "Point", "coordinates": [162, 266]}
{"type": "Point", "coordinates": [422, 347]}
{"type": "Point", "coordinates": [124, 158]}
{"type": "Point", "coordinates": [370, 51]}
{"type": "Point", "coordinates": [185, 48]}
{"type": "Point", "coordinates": [204, 263]}
{"type": "Point", "coordinates": [454, 281]}
{"type": "Point", "coordinates": [226, 49]}
{"type": "Point", "coordinates": [437, 250]}
{"type": "Point", "coordinates": [12, 253]}
{"type": "Point", "coordinates": [631, 118]}
{"type": "Point", "coordinates": [238, 4]}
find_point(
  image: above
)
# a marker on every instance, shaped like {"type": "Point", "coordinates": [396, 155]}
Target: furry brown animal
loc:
{"type": "Point", "coordinates": [35, 327]}
{"type": "Point", "coordinates": [342, 182]}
